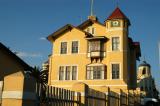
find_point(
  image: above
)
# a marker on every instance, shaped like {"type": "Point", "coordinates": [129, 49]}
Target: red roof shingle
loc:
{"type": "Point", "coordinates": [117, 14]}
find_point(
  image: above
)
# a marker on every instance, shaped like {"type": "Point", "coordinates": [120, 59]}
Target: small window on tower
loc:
{"type": "Point", "coordinates": [144, 71]}
{"type": "Point", "coordinates": [115, 44]}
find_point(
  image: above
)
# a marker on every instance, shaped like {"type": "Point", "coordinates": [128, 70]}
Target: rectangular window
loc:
{"type": "Point", "coordinates": [68, 70]}
{"type": "Point", "coordinates": [94, 46]}
{"type": "Point", "coordinates": [63, 47]}
{"type": "Point", "coordinates": [68, 73]}
{"type": "Point", "coordinates": [74, 72]}
{"type": "Point", "coordinates": [144, 71]}
{"type": "Point", "coordinates": [115, 71]}
{"type": "Point", "coordinates": [74, 46]}
{"type": "Point", "coordinates": [95, 72]}
{"type": "Point", "coordinates": [93, 31]}
{"type": "Point", "coordinates": [61, 73]}
{"type": "Point", "coordinates": [115, 44]}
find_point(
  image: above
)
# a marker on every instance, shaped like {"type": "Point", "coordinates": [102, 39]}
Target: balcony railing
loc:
{"type": "Point", "coordinates": [96, 54]}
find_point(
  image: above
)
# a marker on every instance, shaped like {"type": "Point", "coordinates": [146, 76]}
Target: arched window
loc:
{"type": "Point", "coordinates": [144, 71]}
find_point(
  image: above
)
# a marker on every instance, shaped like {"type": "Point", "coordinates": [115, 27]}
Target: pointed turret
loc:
{"type": "Point", "coordinates": [117, 14]}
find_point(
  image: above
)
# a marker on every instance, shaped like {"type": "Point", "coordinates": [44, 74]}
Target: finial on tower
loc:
{"type": "Point", "coordinates": [143, 59]}
{"type": "Point", "coordinates": [92, 3]}
{"type": "Point", "coordinates": [117, 3]}
{"type": "Point", "coordinates": [92, 16]}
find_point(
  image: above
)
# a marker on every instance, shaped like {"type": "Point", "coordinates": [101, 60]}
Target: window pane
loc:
{"type": "Point", "coordinates": [93, 30]}
{"type": "Point", "coordinates": [115, 71]}
{"type": "Point", "coordinates": [95, 46]}
{"type": "Point", "coordinates": [95, 72]}
{"type": "Point", "coordinates": [74, 72]}
{"type": "Point", "coordinates": [63, 47]}
{"type": "Point", "coordinates": [68, 70]}
{"type": "Point", "coordinates": [115, 43]}
{"type": "Point", "coordinates": [75, 47]}
{"type": "Point", "coordinates": [61, 73]}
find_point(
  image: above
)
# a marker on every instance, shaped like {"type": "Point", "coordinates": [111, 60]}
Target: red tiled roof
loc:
{"type": "Point", "coordinates": [117, 14]}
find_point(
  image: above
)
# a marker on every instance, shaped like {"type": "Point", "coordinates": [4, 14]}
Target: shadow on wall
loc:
{"type": "Point", "coordinates": [29, 91]}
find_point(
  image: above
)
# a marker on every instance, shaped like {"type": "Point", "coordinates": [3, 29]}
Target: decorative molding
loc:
{"type": "Point", "coordinates": [18, 95]}
{"type": "Point", "coordinates": [116, 29]}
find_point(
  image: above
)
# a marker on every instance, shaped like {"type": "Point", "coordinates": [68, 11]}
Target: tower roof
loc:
{"type": "Point", "coordinates": [144, 63]}
{"type": "Point", "coordinates": [117, 14]}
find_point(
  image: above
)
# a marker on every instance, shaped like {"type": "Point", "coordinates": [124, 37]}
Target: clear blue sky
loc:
{"type": "Point", "coordinates": [25, 23]}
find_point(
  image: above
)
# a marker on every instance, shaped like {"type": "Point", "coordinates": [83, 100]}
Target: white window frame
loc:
{"type": "Point", "coordinates": [60, 48]}
{"type": "Point", "coordinates": [120, 68]}
{"type": "Point", "coordinates": [120, 43]}
{"type": "Point", "coordinates": [92, 73]}
{"type": "Point", "coordinates": [78, 46]}
{"type": "Point", "coordinates": [64, 76]}
{"type": "Point", "coordinates": [90, 30]}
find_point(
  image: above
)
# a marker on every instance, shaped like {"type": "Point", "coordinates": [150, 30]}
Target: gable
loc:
{"type": "Point", "coordinates": [63, 30]}
{"type": "Point", "coordinates": [99, 30]}
{"type": "Point", "coordinates": [10, 63]}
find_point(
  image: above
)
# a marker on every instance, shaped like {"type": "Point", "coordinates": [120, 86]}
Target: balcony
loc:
{"type": "Point", "coordinates": [96, 46]}
{"type": "Point", "coordinates": [96, 54]}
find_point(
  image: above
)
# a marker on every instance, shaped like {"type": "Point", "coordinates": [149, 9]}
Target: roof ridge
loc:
{"type": "Point", "coordinates": [117, 14]}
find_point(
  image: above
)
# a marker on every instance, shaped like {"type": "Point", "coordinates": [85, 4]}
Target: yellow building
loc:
{"type": "Point", "coordinates": [16, 88]}
{"type": "Point", "coordinates": [94, 53]}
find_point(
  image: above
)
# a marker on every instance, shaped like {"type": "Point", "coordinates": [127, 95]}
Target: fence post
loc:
{"type": "Point", "coordinates": [120, 97]}
{"type": "Point", "coordinates": [106, 91]}
{"type": "Point", "coordinates": [83, 89]}
{"type": "Point", "coordinates": [108, 96]}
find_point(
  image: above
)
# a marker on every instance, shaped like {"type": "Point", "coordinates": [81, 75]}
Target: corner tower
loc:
{"type": "Point", "coordinates": [117, 25]}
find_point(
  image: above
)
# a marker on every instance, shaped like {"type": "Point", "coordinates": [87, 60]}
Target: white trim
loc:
{"type": "Point", "coordinates": [120, 44]}
{"type": "Point", "coordinates": [96, 64]}
{"type": "Point", "coordinates": [90, 30]}
{"type": "Point", "coordinates": [18, 95]}
{"type": "Point", "coordinates": [115, 29]}
{"type": "Point", "coordinates": [60, 48]}
{"type": "Point", "coordinates": [120, 69]}
{"type": "Point", "coordinates": [65, 72]}
{"type": "Point", "coordinates": [78, 47]}
{"type": "Point", "coordinates": [70, 54]}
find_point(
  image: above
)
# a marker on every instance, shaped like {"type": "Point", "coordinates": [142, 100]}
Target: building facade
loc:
{"type": "Point", "coordinates": [145, 80]}
{"type": "Point", "coordinates": [95, 54]}
{"type": "Point", "coordinates": [16, 88]}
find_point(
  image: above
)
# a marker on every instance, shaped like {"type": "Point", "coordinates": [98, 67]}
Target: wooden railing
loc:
{"type": "Point", "coordinates": [96, 98]}
{"type": "Point", "coordinates": [52, 96]}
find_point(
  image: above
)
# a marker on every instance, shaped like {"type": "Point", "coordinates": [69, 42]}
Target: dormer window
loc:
{"type": "Point", "coordinates": [91, 30]}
